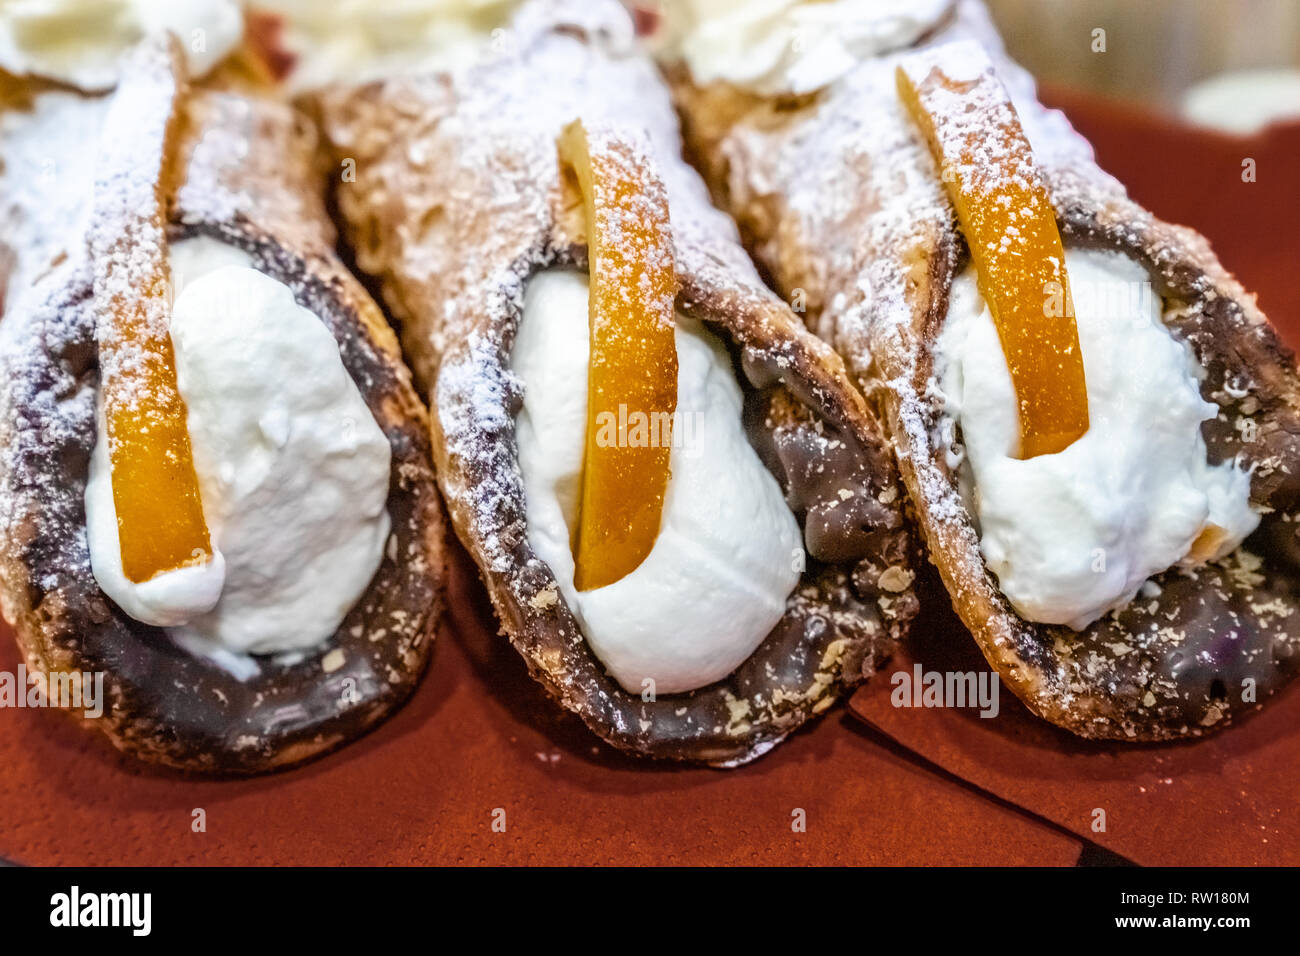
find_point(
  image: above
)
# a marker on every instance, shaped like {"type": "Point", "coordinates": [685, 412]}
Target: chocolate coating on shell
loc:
{"type": "Point", "coordinates": [831, 481]}
{"type": "Point", "coordinates": [163, 705]}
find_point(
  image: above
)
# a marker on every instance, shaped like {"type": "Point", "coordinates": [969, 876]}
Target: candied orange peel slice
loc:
{"type": "Point", "coordinates": [632, 376]}
{"type": "Point", "coordinates": [1006, 216]}
{"type": "Point", "coordinates": [155, 489]}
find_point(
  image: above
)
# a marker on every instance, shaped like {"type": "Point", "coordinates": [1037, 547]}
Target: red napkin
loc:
{"type": "Point", "coordinates": [480, 735]}
{"type": "Point", "coordinates": [1229, 799]}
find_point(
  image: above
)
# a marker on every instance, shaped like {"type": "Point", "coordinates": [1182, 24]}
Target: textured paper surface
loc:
{"type": "Point", "coordinates": [1225, 800]}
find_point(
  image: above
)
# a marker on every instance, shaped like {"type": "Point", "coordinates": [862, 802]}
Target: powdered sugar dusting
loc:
{"type": "Point", "coordinates": [450, 144]}
{"type": "Point", "coordinates": [47, 410]}
{"type": "Point", "coordinates": [127, 233]}
{"type": "Point", "coordinates": [631, 225]}
{"type": "Point", "coordinates": [45, 180]}
{"type": "Point", "coordinates": [975, 125]}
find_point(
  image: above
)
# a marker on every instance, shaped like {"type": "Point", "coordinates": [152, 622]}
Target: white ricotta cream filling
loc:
{"type": "Point", "coordinates": [293, 470]}
{"type": "Point", "coordinates": [716, 581]}
{"type": "Point", "coordinates": [790, 46]}
{"type": "Point", "coordinates": [80, 41]}
{"type": "Point", "coordinates": [1074, 535]}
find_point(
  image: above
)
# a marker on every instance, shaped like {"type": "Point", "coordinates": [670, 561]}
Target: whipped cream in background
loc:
{"type": "Point", "coordinates": [1074, 535]}
{"type": "Point", "coordinates": [293, 471]}
{"type": "Point", "coordinates": [789, 46]}
{"type": "Point", "coordinates": [1243, 102]}
{"type": "Point", "coordinates": [79, 41]}
{"type": "Point", "coordinates": [355, 41]}
{"type": "Point", "coordinates": [716, 581]}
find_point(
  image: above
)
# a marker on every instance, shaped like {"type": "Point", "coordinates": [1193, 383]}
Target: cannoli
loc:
{"type": "Point", "coordinates": [1099, 442]}
{"type": "Point", "coordinates": [561, 280]}
{"type": "Point", "coordinates": [218, 518]}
